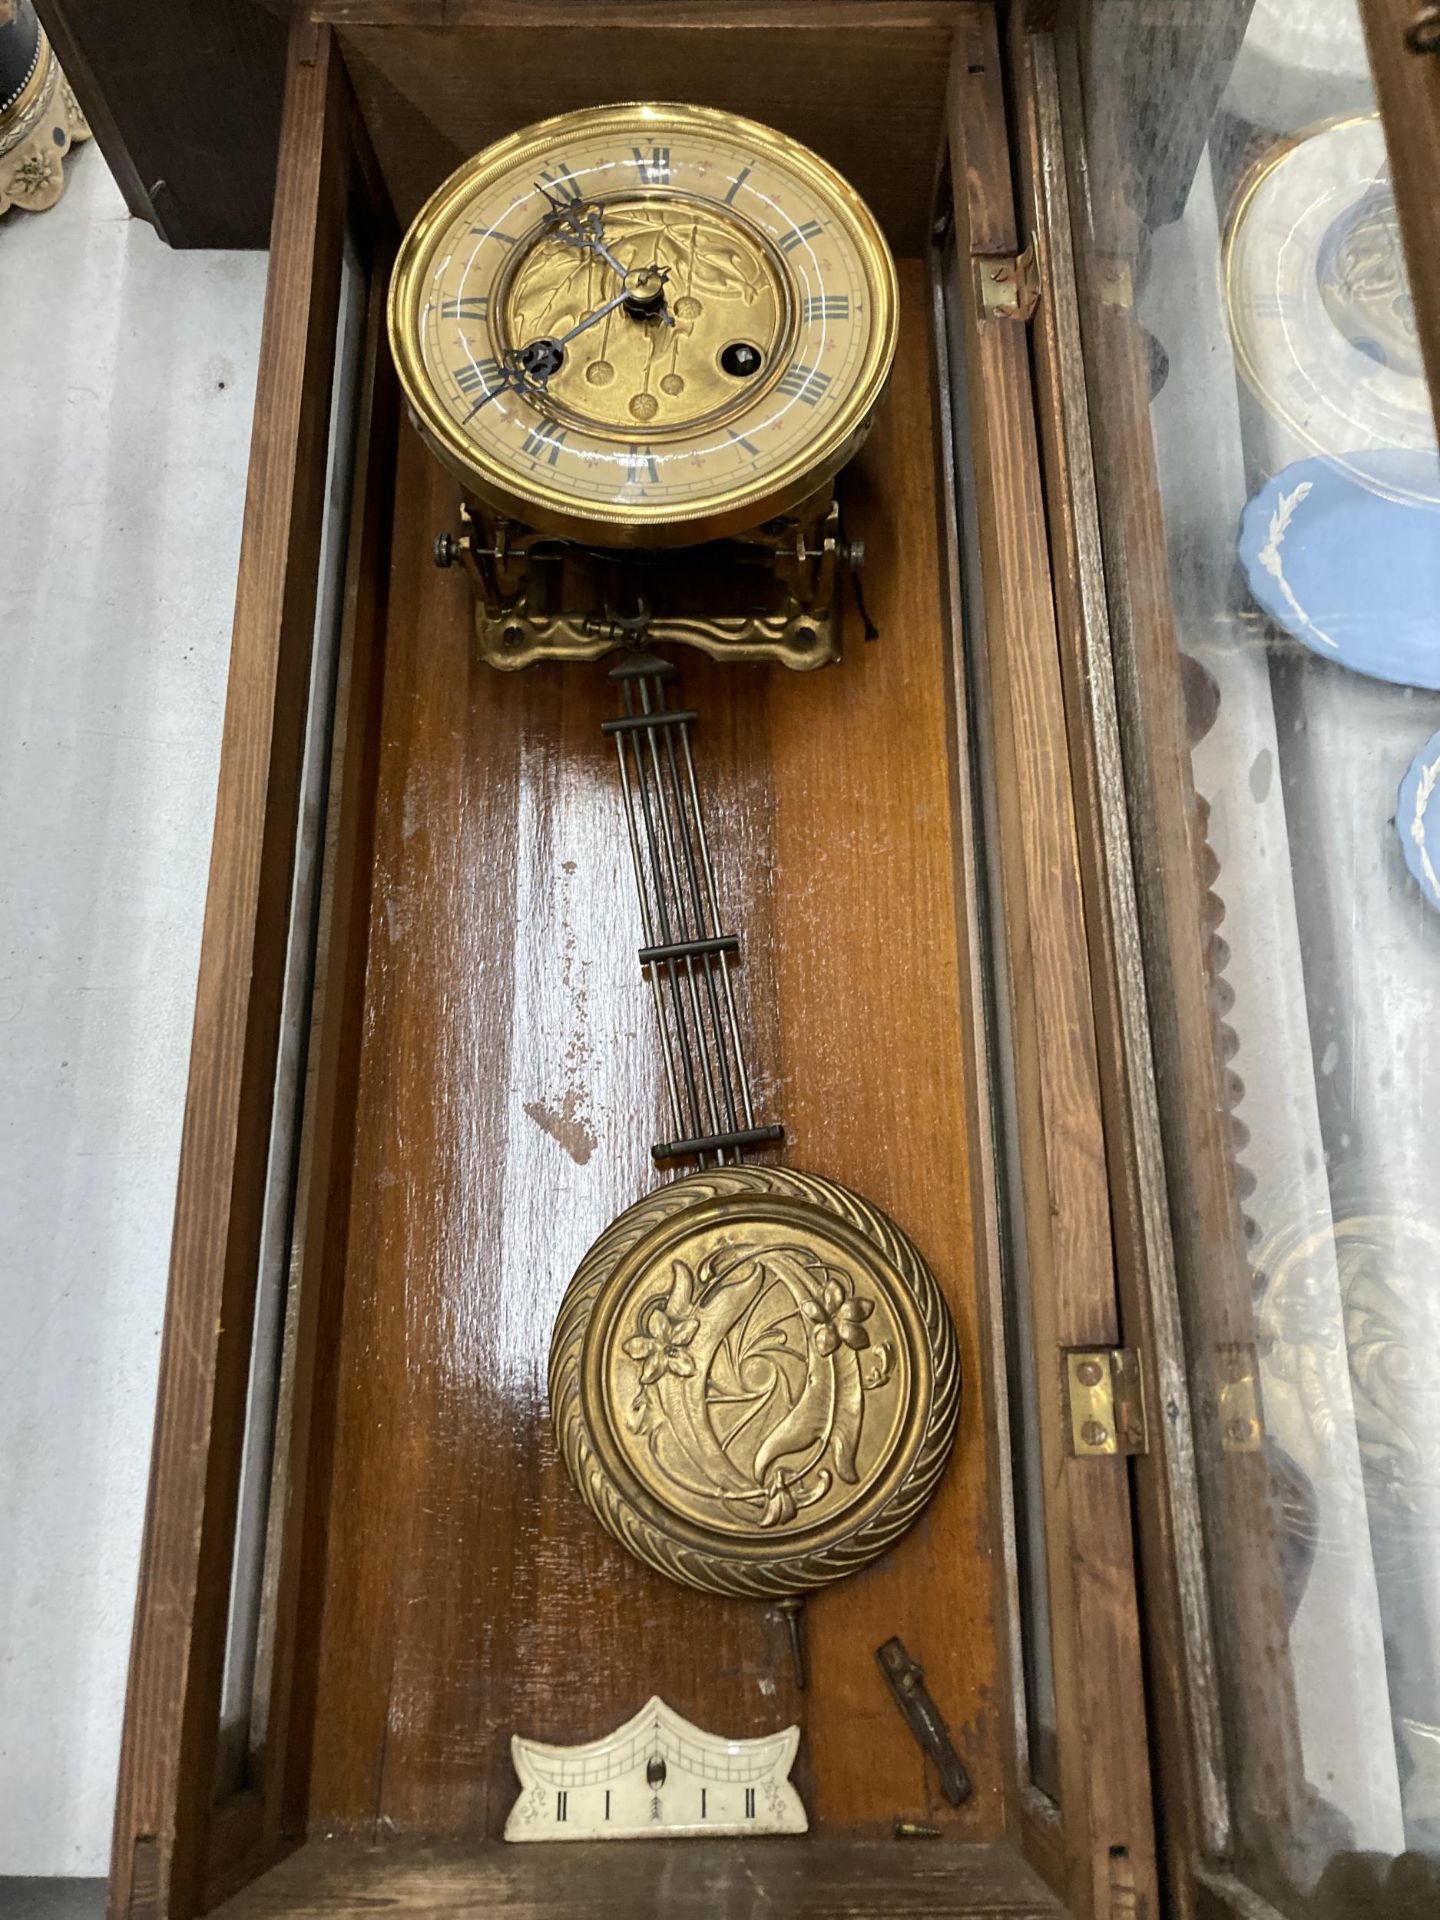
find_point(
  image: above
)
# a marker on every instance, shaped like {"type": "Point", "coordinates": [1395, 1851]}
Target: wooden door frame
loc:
{"type": "Point", "coordinates": [1163, 1065]}
{"type": "Point", "coordinates": [1142, 812]}
{"type": "Point", "coordinates": [176, 1847]}
{"type": "Point", "coordinates": [185, 104]}
{"type": "Point", "coordinates": [1099, 1850]}
{"type": "Point", "coordinates": [1407, 88]}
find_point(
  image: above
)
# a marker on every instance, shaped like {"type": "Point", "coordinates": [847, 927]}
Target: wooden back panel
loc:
{"type": "Point", "coordinates": [862, 82]}
{"type": "Point", "coordinates": [509, 1091]}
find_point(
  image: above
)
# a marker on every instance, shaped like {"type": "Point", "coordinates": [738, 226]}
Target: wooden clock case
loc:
{"type": "Point", "coordinates": [424, 1075]}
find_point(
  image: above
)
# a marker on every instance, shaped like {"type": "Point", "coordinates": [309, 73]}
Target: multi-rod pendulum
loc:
{"type": "Point", "coordinates": [714, 1121]}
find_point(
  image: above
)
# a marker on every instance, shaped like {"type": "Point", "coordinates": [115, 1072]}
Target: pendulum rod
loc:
{"type": "Point", "coordinates": [665, 952]}
{"type": "Point", "coordinates": [697, 910]}
{"type": "Point", "coordinates": [686, 955]}
{"type": "Point", "coordinates": [668, 882]}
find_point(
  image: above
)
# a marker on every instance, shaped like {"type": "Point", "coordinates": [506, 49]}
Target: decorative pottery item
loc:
{"type": "Point", "coordinates": [39, 115]}
{"type": "Point", "coordinates": [1345, 555]}
{"type": "Point", "coordinates": [1417, 819]}
{"type": "Point", "coordinates": [1317, 295]}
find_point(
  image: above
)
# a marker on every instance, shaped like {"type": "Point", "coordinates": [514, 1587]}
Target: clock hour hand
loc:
{"type": "Point", "coordinates": [581, 226]}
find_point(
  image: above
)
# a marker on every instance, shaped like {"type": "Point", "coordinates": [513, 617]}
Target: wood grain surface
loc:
{"type": "Point", "coordinates": [1067, 1262]}
{"type": "Point", "coordinates": [167, 1762]}
{"type": "Point", "coordinates": [1179, 1652]}
{"type": "Point", "coordinates": [1407, 89]}
{"type": "Point", "coordinates": [648, 1880]}
{"type": "Point", "coordinates": [185, 102]}
{"type": "Point", "coordinates": [284, 1685]}
{"type": "Point", "coordinates": [509, 1090]}
{"type": "Point", "coordinates": [861, 81]}
{"type": "Point", "coordinates": [1269, 1796]}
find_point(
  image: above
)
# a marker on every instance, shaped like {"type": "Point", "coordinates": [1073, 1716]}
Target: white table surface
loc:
{"type": "Point", "coordinates": [127, 376]}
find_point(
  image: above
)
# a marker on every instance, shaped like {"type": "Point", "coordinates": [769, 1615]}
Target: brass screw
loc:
{"type": "Point", "coordinates": [1089, 1373]}
{"type": "Point", "coordinates": [1095, 1433]}
{"type": "Point", "coordinates": [912, 1830]}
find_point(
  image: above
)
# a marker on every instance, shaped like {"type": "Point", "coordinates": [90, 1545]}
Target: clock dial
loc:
{"type": "Point", "coordinates": [644, 323]}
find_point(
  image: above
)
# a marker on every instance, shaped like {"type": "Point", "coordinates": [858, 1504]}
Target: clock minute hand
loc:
{"type": "Point", "coordinates": [592, 319]}
{"type": "Point", "coordinates": [540, 358]}
{"type": "Point", "coordinates": [534, 363]}
{"type": "Point", "coordinates": [528, 369]}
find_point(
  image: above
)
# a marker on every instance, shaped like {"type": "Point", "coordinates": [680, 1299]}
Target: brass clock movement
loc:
{"type": "Point", "coordinates": [633, 329]}
{"type": "Point", "coordinates": [645, 339]}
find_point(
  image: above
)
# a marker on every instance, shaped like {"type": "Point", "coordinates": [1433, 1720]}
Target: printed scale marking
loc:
{"type": "Point", "coordinates": [656, 1774]}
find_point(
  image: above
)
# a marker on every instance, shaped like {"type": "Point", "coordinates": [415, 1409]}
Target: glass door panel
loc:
{"type": "Point", "coordinates": [1268, 493]}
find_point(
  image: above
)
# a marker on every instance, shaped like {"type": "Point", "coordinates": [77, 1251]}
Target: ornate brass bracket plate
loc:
{"type": "Point", "coordinates": [766, 595]}
{"type": "Point", "coordinates": [754, 1380]}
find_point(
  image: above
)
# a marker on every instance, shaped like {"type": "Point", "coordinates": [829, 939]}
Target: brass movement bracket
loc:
{"type": "Point", "coordinates": [766, 595]}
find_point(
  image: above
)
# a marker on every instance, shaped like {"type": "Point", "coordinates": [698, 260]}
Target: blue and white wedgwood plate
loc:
{"type": "Point", "coordinates": [1417, 819]}
{"type": "Point", "coordinates": [1320, 311]}
{"type": "Point", "coordinates": [1345, 555]}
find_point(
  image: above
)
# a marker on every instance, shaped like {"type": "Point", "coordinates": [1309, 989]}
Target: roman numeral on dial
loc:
{"type": "Point", "coordinates": [478, 373]}
{"type": "Point", "coordinates": [803, 383]}
{"type": "Point", "coordinates": [826, 306]}
{"type": "Point", "coordinates": [562, 184]}
{"type": "Point", "coordinates": [737, 183]}
{"type": "Point", "coordinates": [473, 306]}
{"type": "Point", "coordinates": [544, 443]}
{"type": "Point", "coordinates": [807, 230]}
{"type": "Point", "coordinates": [640, 467]}
{"type": "Point", "coordinates": [654, 169]}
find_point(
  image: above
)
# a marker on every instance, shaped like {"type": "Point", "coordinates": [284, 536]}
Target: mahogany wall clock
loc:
{"type": "Point", "coordinates": [645, 339]}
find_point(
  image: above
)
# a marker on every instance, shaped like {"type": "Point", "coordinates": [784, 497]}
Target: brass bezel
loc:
{"type": "Point", "coordinates": [730, 509]}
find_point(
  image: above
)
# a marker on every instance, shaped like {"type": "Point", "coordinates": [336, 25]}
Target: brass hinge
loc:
{"type": "Point", "coordinates": [1112, 282]}
{"type": "Point", "coordinates": [1237, 1397]}
{"type": "Point", "coordinates": [1007, 286]}
{"type": "Point", "coordinates": [1106, 1402]}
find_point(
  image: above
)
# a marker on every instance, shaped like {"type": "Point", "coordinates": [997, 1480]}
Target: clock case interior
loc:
{"type": "Point", "coordinates": [419, 978]}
